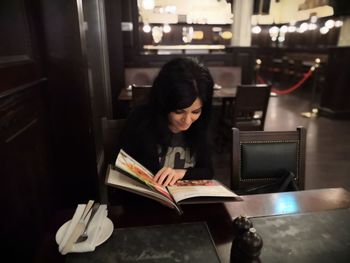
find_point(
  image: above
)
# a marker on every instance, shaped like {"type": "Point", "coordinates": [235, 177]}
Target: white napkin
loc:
{"type": "Point", "coordinates": [217, 86]}
{"type": "Point", "coordinates": [93, 231]}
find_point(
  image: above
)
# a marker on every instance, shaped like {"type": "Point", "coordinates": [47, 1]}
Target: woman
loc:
{"type": "Point", "coordinates": [169, 135]}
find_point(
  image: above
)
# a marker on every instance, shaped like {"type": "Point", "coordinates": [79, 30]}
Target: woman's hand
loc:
{"type": "Point", "coordinates": [169, 176]}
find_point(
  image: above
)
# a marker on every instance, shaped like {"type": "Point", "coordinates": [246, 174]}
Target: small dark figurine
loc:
{"type": "Point", "coordinates": [241, 224]}
{"type": "Point", "coordinates": [246, 247]}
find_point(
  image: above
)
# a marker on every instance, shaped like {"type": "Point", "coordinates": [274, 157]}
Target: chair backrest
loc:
{"type": "Point", "coordinates": [262, 157]}
{"type": "Point", "coordinates": [140, 94]}
{"type": "Point", "coordinates": [226, 76]}
{"type": "Point", "coordinates": [140, 76]}
{"type": "Point", "coordinates": [111, 130]}
{"type": "Point", "coordinates": [249, 110]}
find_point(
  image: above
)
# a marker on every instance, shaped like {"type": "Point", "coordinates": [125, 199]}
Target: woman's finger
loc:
{"type": "Point", "coordinates": [169, 178]}
{"type": "Point", "coordinates": [163, 175]}
{"type": "Point", "coordinates": [158, 174]}
{"type": "Point", "coordinates": [173, 180]}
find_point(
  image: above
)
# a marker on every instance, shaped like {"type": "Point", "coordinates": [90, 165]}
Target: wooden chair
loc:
{"type": "Point", "coordinates": [140, 94]}
{"type": "Point", "coordinates": [247, 113]}
{"type": "Point", "coordinates": [111, 130]}
{"type": "Point", "coordinates": [268, 161]}
{"type": "Point", "coordinates": [250, 107]}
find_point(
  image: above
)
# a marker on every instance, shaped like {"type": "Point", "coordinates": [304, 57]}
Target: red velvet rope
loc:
{"type": "Point", "coordinates": [289, 90]}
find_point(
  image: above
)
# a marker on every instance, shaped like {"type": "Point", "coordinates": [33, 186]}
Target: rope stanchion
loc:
{"type": "Point", "coordinates": [313, 112]}
{"type": "Point", "coordinates": [291, 89]}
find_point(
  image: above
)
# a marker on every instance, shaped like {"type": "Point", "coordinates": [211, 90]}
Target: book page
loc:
{"type": "Point", "coordinates": [199, 188]}
{"type": "Point", "coordinates": [115, 178]}
{"type": "Point", "coordinates": [131, 167]}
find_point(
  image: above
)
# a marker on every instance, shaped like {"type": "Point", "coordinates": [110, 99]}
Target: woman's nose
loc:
{"type": "Point", "coordinates": [188, 119]}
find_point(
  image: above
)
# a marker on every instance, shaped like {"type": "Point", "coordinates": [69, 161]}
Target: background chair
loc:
{"type": "Point", "coordinates": [250, 107]}
{"type": "Point", "coordinates": [268, 161]}
{"type": "Point", "coordinates": [247, 113]}
{"type": "Point", "coordinates": [111, 130]}
{"type": "Point", "coordinates": [140, 94]}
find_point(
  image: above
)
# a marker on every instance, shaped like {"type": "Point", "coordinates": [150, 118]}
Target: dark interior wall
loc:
{"type": "Point", "coordinates": [335, 97]}
{"type": "Point", "coordinates": [25, 155]}
{"type": "Point", "coordinates": [115, 10]}
{"type": "Point", "coordinates": [54, 90]}
{"type": "Point", "coordinates": [69, 101]}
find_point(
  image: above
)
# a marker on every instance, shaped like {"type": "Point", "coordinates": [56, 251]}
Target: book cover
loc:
{"type": "Point", "coordinates": [130, 175]}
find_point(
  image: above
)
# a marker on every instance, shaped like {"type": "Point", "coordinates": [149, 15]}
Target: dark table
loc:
{"type": "Point", "coordinates": [308, 237]}
{"type": "Point", "coordinates": [223, 93]}
{"type": "Point", "coordinates": [217, 216]}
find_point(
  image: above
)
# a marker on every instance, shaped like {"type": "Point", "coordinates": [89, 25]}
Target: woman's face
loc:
{"type": "Point", "coordinates": [181, 120]}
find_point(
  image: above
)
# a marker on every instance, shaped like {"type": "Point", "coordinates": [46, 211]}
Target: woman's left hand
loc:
{"type": "Point", "coordinates": [169, 176]}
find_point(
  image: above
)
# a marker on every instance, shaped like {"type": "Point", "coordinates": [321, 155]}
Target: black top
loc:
{"type": "Point", "coordinates": [139, 140]}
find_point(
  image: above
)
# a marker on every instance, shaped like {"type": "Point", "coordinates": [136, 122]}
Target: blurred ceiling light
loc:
{"type": "Point", "coordinates": [330, 23]}
{"type": "Point", "coordinates": [157, 34]}
{"type": "Point", "coordinates": [281, 38]}
{"type": "Point", "coordinates": [198, 35]}
{"type": "Point", "coordinates": [166, 28]}
{"type": "Point", "coordinates": [226, 35]}
{"type": "Point", "coordinates": [274, 30]}
{"type": "Point", "coordinates": [148, 4]}
{"type": "Point", "coordinates": [312, 26]}
{"type": "Point", "coordinates": [292, 29]}
{"type": "Point", "coordinates": [216, 29]}
{"type": "Point", "coordinates": [187, 34]}
{"type": "Point", "coordinates": [324, 30]}
{"type": "Point", "coordinates": [284, 29]}
{"type": "Point", "coordinates": [313, 19]}
{"type": "Point", "coordinates": [146, 28]}
{"type": "Point", "coordinates": [256, 29]}
{"type": "Point", "coordinates": [303, 27]}
{"type": "Point", "coordinates": [171, 9]}
{"type": "Point", "coordinates": [338, 23]}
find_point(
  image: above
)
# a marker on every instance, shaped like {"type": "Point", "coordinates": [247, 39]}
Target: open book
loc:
{"type": "Point", "coordinates": [131, 176]}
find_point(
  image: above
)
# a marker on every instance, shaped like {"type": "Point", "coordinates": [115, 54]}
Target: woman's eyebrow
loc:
{"type": "Point", "coordinates": [198, 108]}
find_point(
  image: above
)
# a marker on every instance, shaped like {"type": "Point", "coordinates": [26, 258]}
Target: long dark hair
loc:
{"type": "Point", "coordinates": [178, 84]}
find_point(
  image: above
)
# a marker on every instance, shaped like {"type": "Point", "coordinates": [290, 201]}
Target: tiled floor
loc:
{"type": "Point", "coordinates": [327, 146]}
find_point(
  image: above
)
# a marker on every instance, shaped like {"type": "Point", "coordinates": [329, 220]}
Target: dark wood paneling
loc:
{"type": "Point", "coordinates": [335, 97]}
{"type": "Point", "coordinates": [19, 62]}
{"type": "Point", "coordinates": [70, 103]}
{"type": "Point", "coordinates": [24, 169]}
{"type": "Point", "coordinates": [115, 48]}
{"type": "Point", "coordinates": [25, 154]}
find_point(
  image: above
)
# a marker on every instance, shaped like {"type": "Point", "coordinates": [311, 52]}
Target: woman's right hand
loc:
{"type": "Point", "coordinates": [169, 176]}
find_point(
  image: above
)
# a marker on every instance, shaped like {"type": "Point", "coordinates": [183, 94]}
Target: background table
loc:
{"type": "Point", "coordinates": [224, 92]}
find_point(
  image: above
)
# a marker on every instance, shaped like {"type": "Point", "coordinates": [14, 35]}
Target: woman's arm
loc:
{"type": "Point", "coordinates": [203, 168]}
